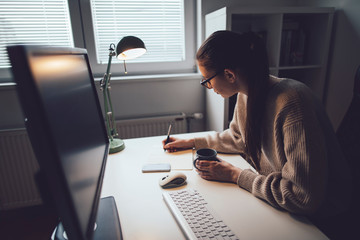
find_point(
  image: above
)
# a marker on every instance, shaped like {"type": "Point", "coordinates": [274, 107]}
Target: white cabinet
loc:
{"type": "Point", "coordinates": [297, 41]}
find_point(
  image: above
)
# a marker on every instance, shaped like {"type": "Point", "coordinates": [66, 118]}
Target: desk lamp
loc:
{"type": "Point", "coordinates": [129, 47]}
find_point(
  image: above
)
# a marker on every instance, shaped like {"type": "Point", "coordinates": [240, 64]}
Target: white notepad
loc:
{"type": "Point", "coordinates": [181, 160]}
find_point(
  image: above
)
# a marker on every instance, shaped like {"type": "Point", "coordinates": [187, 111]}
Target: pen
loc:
{"type": "Point", "coordinates": [168, 136]}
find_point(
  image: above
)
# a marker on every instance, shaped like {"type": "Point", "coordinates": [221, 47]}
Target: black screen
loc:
{"type": "Point", "coordinates": [66, 128]}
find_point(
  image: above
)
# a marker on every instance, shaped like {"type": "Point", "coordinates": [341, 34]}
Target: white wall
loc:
{"type": "Point", "coordinates": [10, 113]}
{"type": "Point", "coordinates": [131, 98]}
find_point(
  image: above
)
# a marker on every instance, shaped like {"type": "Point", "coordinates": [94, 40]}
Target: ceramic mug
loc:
{"type": "Point", "coordinates": [205, 154]}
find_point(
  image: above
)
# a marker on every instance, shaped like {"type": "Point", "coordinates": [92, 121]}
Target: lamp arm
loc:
{"type": "Point", "coordinates": [106, 110]}
{"type": "Point", "coordinates": [112, 123]}
{"type": "Point", "coordinates": [106, 93]}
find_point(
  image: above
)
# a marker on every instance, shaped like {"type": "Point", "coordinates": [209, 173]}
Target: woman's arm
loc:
{"type": "Point", "coordinates": [298, 182]}
{"type": "Point", "coordinates": [231, 140]}
{"type": "Point", "coordinates": [218, 171]}
{"type": "Point", "coordinates": [177, 144]}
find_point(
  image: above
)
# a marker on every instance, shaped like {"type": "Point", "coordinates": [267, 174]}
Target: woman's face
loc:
{"type": "Point", "coordinates": [224, 83]}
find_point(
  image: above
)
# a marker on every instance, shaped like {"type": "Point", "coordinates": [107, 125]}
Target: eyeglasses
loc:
{"type": "Point", "coordinates": [206, 82]}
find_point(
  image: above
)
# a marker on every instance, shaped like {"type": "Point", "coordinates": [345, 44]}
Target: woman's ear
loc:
{"type": "Point", "coordinates": [230, 75]}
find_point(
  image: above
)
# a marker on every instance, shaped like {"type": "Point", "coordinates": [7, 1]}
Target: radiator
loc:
{"type": "Point", "coordinates": [17, 168]}
{"type": "Point", "coordinates": [151, 126]}
{"type": "Point", "coordinates": [18, 163]}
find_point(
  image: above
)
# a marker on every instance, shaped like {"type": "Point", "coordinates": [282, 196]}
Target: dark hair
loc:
{"type": "Point", "coordinates": [247, 53]}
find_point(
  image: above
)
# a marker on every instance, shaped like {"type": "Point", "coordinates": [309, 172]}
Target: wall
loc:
{"type": "Point", "coordinates": [158, 96]}
{"type": "Point", "coordinates": [131, 98]}
{"type": "Point", "coordinates": [344, 58]}
{"type": "Point", "coordinates": [10, 112]}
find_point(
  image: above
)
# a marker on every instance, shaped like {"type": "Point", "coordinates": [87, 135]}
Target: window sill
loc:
{"type": "Point", "coordinates": [7, 85]}
{"type": "Point", "coordinates": [138, 78]}
{"type": "Point", "coordinates": [157, 77]}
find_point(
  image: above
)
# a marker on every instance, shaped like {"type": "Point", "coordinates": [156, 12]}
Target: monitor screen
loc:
{"type": "Point", "coordinates": [66, 128]}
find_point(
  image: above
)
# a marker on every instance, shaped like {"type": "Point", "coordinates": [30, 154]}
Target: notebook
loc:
{"type": "Point", "coordinates": [181, 160]}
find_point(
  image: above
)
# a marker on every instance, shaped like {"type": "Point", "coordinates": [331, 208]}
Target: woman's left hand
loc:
{"type": "Point", "coordinates": [218, 171]}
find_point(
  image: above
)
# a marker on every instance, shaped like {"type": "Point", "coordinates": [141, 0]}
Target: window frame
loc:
{"type": "Point", "coordinates": [78, 38]}
{"type": "Point", "coordinates": [117, 69]}
{"type": "Point", "coordinates": [83, 34]}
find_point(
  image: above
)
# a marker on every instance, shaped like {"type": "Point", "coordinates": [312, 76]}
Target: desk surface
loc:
{"type": "Point", "coordinates": [144, 215]}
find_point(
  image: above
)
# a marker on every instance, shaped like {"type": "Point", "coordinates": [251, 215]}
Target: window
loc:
{"type": "Point", "coordinates": [160, 24]}
{"type": "Point", "coordinates": [167, 28]}
{"type": "Point", "coordinates": [34, 22]}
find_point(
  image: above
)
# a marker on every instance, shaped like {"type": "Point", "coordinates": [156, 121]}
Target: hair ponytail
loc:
{"type": "Point", "coordinates": [258, 77]}
{"type": "Point", "coordinates": [246, 52]}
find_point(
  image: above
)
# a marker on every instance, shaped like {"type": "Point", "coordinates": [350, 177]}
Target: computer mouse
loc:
{"type": "Point", "coordinates": [172, 180]}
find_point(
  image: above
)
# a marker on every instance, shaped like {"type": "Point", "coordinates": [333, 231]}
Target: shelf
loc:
{"type": "Point", "coordinates": [297, 40]}
{"type": "Point", "coordinates": [299, 67]}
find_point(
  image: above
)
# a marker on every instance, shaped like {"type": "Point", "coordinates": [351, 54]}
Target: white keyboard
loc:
{"type": "Point", "coordinates": [194, 216]}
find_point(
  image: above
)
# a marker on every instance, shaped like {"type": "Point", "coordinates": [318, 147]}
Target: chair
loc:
{"type": "Point", "coordinates": [348, 135]}
{"type": "Point", "coordinates": [348, 132]}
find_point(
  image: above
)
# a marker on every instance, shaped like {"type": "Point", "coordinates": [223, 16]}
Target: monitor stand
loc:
{"type": "Point", "coordinates": [107, 222]}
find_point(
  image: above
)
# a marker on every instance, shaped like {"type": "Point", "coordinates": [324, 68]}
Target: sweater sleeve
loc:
{"type": "Point", "coordinates": [228, 141]}
{"type": "Point", "coordinates": [298, 182]}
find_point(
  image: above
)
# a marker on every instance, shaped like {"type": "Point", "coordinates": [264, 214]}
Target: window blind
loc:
{"type": "Point", "coordinates": [44, 22]}
{"type": "Point", "coordinates": [159, 23]}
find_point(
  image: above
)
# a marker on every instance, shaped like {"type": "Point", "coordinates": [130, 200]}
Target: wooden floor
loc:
{"type": "Point", "coordinates": [27, 223]}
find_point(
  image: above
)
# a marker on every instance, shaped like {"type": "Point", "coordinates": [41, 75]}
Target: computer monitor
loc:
{"type": "Point", "coordinates": [66, 128]}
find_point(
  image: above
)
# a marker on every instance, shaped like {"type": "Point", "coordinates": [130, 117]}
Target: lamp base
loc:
{"type": "Point", "coordinates": [116, 145]}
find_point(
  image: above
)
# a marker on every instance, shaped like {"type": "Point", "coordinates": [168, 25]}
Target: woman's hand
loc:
{"type": "Point", "coordinates": [218, 171]}
{"type": "Point", "coordinates": [176, 144]}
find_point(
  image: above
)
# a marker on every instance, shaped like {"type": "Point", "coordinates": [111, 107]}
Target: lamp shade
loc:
{"type": "Point", "coordinates": [130, 47]}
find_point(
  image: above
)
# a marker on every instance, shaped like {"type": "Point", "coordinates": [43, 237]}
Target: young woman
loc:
{"type": "Point", "coordinates": [279, 127]}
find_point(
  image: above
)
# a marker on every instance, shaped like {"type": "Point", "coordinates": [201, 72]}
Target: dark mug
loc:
{"type": "Point", "coordinates": [205, 154]}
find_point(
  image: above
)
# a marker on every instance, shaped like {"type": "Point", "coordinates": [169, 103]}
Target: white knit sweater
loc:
{"type": "Point", "coordinates": [302, 168]}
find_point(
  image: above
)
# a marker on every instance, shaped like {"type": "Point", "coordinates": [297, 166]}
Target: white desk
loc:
{"type": "Point", "coordinates": [144, 215]}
